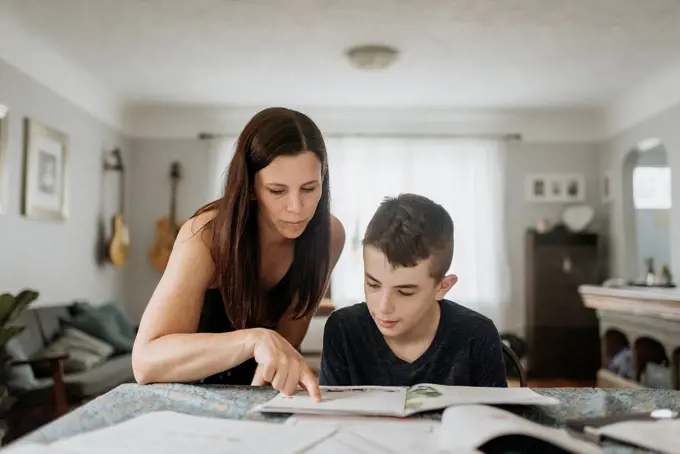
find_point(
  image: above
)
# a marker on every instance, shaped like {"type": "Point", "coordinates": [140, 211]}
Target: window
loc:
{"type": "Point", "coordinates": [652, 188]}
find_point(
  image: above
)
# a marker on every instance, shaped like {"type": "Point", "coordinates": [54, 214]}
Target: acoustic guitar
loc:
{"type": "Point", "coordinates": [167, 227]}
{"type": "Point", "coordinates": [119, 245]}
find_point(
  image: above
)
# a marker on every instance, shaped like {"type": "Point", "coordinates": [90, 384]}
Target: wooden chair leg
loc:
{"type": "Point", "coordinates": [61, 406]}
{"type": "Point", "coordinates": [56, 362]}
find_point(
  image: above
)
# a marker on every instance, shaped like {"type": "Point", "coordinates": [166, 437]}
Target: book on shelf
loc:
{"type": "Point", "coordinates": [399, 401]}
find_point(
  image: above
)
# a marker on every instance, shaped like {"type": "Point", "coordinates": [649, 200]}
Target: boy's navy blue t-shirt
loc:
{"type": "Point", "coordinates": [466, 351]}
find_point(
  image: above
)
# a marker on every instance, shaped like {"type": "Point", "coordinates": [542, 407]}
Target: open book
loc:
{"type": "Point", "coordinates": [399, 401]}
{"type": "Point", "coordinates": [471, 427]}
{"type": "Point", "coordinates": [658, 436]}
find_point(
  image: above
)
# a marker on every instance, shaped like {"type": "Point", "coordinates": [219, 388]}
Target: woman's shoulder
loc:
{"type": "Point", "coordinates": [198, 228]}
{"type": "Point", "coordinates": [337, 238]}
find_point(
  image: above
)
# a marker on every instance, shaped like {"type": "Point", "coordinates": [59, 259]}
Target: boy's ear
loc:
{"type": "Point", "coordinates": [445, 285]}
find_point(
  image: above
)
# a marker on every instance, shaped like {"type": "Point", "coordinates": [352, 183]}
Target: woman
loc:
{"type": "Point", "coordinates": [248, 270]}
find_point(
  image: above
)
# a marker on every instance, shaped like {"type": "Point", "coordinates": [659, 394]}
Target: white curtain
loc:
{"type": "Point", "coordinates": [465, 176]}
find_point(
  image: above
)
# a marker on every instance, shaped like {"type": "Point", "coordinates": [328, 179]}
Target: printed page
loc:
{"type": "Point", "coordinates": [342, 400]}
{"type": "Point", "coordinates": [34, 448]}
{"type": "Point", "coordinates": [427, 396]}
{"type": "Point", "coordinates": [373, 435]}
{"type": "Point", "coordinates": [658, 436]}
{"type": "Point", "coordinates": [471, 426]}
{"type": "Point", "coordinates": [168, 432]}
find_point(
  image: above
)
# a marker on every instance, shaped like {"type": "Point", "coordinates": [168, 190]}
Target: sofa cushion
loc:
{"type": "Point", "coordinates": [106, 322]}
{"type": "Point", "coordinates": [91, 383]}
{"type": "Point", "coordinates": [102, 378]}
{"type": "Point", "coordinates": [84, 351]}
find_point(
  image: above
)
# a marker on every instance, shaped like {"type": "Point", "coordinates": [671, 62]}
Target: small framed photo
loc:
{"type": "Point", "coordinates": [537, 188]}
{"type": "Point", "coordinates": [46, 151]}
{"type": "Point", "coordinates": [4, 177]}
{"type": "Point", "coordinates": [574, 188]}
{"type": "Point", "coordinates": [557, 189]}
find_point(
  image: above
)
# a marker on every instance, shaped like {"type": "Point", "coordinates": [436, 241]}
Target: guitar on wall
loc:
{"type": "Point", "coordinates": [167, 227]}
{"type": "Point", "coordinates": [119, 245]}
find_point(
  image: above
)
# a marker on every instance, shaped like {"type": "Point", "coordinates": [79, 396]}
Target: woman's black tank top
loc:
{"type": "Point", "coordinates": [214, 319]}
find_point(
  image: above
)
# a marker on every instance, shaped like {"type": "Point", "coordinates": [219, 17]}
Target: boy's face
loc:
{"type": "Point", "coordinates": [400, 299]}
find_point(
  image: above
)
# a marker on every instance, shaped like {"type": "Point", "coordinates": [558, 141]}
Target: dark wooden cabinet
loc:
{"type": "Point", "coordinates": [562, 335]}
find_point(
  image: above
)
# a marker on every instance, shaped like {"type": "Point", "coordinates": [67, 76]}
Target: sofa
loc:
{"type": "Point", "coordinates": [66, 356]}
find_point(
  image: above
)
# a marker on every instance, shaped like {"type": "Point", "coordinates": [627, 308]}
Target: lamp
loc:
{"type": "Point", "coordinates": [372, 56]}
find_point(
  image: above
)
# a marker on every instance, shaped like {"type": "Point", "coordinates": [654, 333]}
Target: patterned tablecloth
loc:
{"type": "Point", "coordinates": [233, 402]}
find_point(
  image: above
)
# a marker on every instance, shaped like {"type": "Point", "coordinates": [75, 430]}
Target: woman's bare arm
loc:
{"type": "Point", "coordinates": [167, 347]}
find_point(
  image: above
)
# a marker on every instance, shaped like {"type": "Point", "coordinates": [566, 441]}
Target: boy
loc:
{"type": "Point", "coordinates": [406, 332]}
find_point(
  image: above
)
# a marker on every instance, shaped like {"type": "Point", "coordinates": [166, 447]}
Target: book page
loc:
{"type": "Point", "coordinates": [659, 436]}
{"type": "Point", "coordinates": [471, 426]}
{"type": "Point", "coordinates": [342, 400]}
{"type": "Point", "coordinates": [426, 397]}
{"type": "Point", "coordinates": [168, 432]}
{"type": "Point", "coordinates": [373, 434]}
{"type": "Point", "coordinates": [34, 448]}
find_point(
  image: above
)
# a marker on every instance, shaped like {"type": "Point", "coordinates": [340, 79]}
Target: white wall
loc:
{"type": "Point", "coordinates": [615, 153]}
{"type": "Point", "coordinates": [57, 258]}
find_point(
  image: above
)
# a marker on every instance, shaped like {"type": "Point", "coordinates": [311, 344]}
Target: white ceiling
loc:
{"type": "Point", "coordinates": [455, 53]}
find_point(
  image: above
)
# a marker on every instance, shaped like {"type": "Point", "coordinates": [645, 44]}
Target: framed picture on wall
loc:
{"type": "Point", "coordinates": [537, 188]}
{"type": "Point", "coordinates": [555, 188]}
{"type": "Point", "coordinates": [4, 177]}
{"type": "Point", "coordinates": [45, 194]}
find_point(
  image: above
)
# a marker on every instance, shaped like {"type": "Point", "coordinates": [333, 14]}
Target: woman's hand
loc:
{"type": "Point", "coordinates": [281, 365]}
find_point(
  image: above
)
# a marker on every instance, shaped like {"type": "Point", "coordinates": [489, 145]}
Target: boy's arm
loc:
{"type": "Point", "coordinates": [488, 367]}
{"type": "Point", "coordinates": [334, 370]}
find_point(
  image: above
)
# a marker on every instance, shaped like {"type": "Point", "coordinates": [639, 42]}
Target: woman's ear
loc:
{"type": "Point", "coordinates": [445, 285]}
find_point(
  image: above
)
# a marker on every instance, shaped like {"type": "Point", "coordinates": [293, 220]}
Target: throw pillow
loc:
{"type": "Point", "coordinates": [106, 323]}
{"type": "Point", "coordinates": [84, 351]}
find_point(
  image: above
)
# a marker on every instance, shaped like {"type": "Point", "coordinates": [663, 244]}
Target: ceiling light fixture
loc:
{"type": "Point", "coordinates": [372, 56]}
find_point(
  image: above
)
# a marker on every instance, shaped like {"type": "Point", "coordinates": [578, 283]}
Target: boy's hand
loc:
{"type": "Point", "coordinates": [281, 365]}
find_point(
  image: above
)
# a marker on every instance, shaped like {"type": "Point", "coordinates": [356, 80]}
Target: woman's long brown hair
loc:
{"type": "Point", "coordinates": [234, 230]}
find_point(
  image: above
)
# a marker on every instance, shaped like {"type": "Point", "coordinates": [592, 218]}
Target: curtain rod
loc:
{"type": "Point", "coordinates": [511, 136]}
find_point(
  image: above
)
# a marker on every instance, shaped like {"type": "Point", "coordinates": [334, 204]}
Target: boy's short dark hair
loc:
{"type": "Point", "coordinates": [410, 228]}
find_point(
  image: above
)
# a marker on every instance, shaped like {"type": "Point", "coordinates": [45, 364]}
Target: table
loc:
{"type": "Point", "coordinates": [234, 402]}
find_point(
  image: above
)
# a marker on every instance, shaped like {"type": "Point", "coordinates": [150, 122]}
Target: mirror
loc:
{"type": "Point", "coordinates": [647, 192]}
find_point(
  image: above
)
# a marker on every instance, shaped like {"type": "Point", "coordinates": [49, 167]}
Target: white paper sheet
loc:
{"type": "Point", "coordinates": [170, 432]}
{"type": "Point", "coordinates": [373, 435]}
{"type": "Point", "coordinates": [34, 448]}
{"type": "Point", "coordinates": [342, 400]}
{"type": "Point", "coordinates": [660, 436]}
{"type": "Point", "coordinates": [471, 426]}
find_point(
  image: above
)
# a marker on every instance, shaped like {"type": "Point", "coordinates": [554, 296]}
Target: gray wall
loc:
{"type": "Point", "coordinates": [528, 158]}
{"type": "Point", "coordinates": [58, 258]}
{"type": "Point", "coordinates": [151, 186]}
{"type": "Point", "coordinates": [616, 154]}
